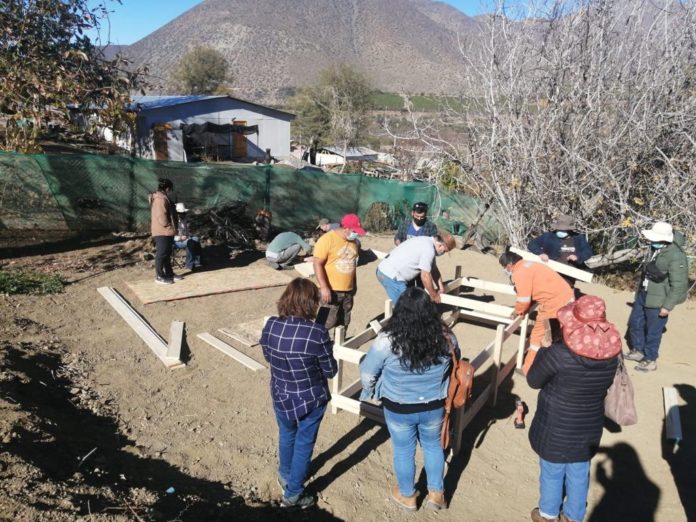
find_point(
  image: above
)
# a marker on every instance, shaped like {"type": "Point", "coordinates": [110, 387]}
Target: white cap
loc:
{"type": "Point", "coordinates": [659, 232]}
{"type": "Point", "coordinates": [181, 208]}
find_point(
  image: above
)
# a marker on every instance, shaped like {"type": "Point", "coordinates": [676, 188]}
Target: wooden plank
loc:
{"type": "Point", "coordinates": [483, 356]}
{"type": "Point", "coordinates": [364, 409]}
{"type": "Point", "coordinates": [485, 317]}
{"type": "Point", "coordinates": [176, 338]}
{"type": "Point", "coordinates": [211, 282]}
{"type": "Point", "coordinates": [305, 269]}
{"type": "Point", "coordinates": [580, 275]}
{"type": "Point", "coordinates": [388, 309]}
{"type": "Point", "coordinates": [673, 428]}
{"type": "Point", "coordinates": [248, 333]}
{"type": "Point", "coordinates": [613, 258]}
{"type": "Point", "coordinates": [497, 358]}
{"type": "Point", "coordinates": [376, 326]}
{"type": "Point", "coordinates": [351, 355]}
{"type": "Point", "coordinates": [478, 306]}
{"type": "Point", "coordinates": [140, 326]}
{"type": "Point", "coordinates": [453, 285]}
{"type": "Point", "coordinates": [352, 388]}
{"type": "Point", "coordinates": [358, 340]}
{"type": "Point", "coordinates": [379, 253]}
{"type": "Point", "coordinates": [230, 351]}
{"type": "Point", "coordinates": [523, 338]}
{"type": "Point", "coordinates": [480, 284]}
{"type": "Point", "coordinates": [337, 381]}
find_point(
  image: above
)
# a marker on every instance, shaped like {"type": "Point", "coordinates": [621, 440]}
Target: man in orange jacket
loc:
{"type": "Point", "coordinates": [536, 282]}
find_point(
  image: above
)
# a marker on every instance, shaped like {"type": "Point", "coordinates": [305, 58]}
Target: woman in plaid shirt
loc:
{"type": "Point", "coordinates": [300, 354]}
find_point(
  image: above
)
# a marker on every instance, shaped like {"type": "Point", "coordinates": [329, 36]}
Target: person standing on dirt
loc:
{"type": "Point", "coordinates": [417, 226]}
{"type": "Point", "coordinates": [408, 368]}
{"type": "Point", "coordinates": [535, 282]}
{"type": "Point", "coordinates": [563, 243]}
{"type": "Point", "coordinates": [573, 374]}
{"type": "Point", "coordinates": [335, 261]}
{"type": "Point", "coordinates": [664, 284]}
{"type": "Point", "coordinates": [163, 226]}
{"type": "Point", "coordinates": [300, 354]}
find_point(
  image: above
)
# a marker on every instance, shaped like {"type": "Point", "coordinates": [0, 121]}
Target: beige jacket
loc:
{"type": "Point", "coordinates": [163, 221]}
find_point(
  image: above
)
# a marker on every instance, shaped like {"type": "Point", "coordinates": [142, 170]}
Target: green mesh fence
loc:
{"type": "Point", "coordinates": [73, 193]}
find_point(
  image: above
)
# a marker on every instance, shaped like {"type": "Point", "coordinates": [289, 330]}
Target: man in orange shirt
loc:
{"type": "Point", "coordinates": [536, 282]}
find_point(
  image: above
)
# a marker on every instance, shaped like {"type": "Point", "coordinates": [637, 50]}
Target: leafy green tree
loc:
{"type": "Point", "coordinates": [335, 110]}
{"type": "Point", "coordinates": [202, 70]}
{"type": "Point", "coordinates": [49, 64]}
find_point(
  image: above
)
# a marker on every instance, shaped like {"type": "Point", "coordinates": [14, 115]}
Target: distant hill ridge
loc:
{"type": "Point", "coordinates": [273, 46]}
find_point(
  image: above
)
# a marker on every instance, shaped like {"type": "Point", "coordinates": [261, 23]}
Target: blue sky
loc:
{"type": "Point", "coordinates": [135, 19]}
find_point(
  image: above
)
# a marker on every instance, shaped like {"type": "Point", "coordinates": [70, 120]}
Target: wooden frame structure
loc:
{"type": "Point", "coordinates": [348, 351]}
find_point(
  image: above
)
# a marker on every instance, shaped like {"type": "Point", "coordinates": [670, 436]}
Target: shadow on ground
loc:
{"type": "Point", "coordinates": [56, 435]}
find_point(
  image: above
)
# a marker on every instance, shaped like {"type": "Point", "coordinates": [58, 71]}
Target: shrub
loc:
{"type": "Point", "coordinates": [26, 282]}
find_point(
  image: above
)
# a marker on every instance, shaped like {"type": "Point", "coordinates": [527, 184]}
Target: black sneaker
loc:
{"type": "Point", "coordinates": [302, 501]}
{"type": "Point", "coordinates": [178, 278]}
{"type": "Point", "coordinates": [164, 281]}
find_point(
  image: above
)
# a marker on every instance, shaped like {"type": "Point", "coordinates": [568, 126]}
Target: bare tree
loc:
{"type": "Point", "coordinates": [586, 107]}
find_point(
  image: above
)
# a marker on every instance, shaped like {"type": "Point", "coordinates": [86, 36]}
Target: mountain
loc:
{"type": "Point", "coordinates": [274, 46]}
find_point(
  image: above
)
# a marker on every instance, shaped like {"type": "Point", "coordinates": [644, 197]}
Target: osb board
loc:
{"type": "Point", "coordinates": [247, 333]}
{"type": "Point", "coordinates": [211, 282]}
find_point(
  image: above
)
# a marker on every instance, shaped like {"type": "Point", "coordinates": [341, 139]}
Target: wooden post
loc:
{"type": "Point", "coordinates": [337, 382]}
{"type": "Point", "coordinates": [388, 308]}
{"type": "Point", "coordinates": [523, 340]}
{"type": "Point", "coordinates": [458, 271]}
{"type": "Point", "coordinates": [497, 358]}
{"type": "Point", "coordinates": [176, 338]}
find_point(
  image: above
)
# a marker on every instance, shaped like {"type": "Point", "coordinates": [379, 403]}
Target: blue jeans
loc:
{"type": "Point", "coordinates": [405, 430]}
{"type": "Point", "coordinates": [576, 478]}
{"type": "Point", "coordinates": [645, 327]}
{"type": "Point", "coordinates": [393, 287]}
{"type": "Point", "coordinates": [193, 251]}
{"type": "Point", "coordinates": [296, 443]}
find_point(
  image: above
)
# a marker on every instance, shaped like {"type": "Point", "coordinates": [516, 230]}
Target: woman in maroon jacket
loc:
{"type": "Point", "coordinates": [574, 375]}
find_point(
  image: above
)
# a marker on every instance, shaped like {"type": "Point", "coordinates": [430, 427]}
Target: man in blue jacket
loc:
{"type": "Point", "coordinates": [563, 243]}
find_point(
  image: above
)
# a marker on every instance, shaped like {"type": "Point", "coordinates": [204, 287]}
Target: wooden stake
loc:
{"type": "Point", "coordinates": [232, 352]}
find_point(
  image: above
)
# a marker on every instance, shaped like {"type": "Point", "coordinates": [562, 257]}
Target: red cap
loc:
{"type": "Point", "coordinates": [352, 221]}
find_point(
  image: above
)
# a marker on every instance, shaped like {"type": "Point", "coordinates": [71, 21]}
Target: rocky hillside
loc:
{"type": "Point", "coordinates": [273, 46]}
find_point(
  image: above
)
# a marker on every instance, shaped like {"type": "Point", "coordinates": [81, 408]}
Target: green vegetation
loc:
{"type": "Point", "coordinates": [387, 101]}
{"type": "Point", "coordinates": [26, 282]}
{"type": "Point", "coordinates": [202, 70]}
{"type": "Point", "coordinates": [390, 101]}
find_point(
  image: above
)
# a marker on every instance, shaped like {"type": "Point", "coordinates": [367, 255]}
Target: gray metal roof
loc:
{"type": "Point", "coordinates": [158, 102]}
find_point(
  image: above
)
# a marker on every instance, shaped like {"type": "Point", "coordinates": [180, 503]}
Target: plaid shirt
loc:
{"type": "Point", "coordinates": [428, 229]}
{"type": "Point", "coordinates": [300, 353]}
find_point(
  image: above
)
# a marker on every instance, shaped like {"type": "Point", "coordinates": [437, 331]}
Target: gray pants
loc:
{"type": "Point", "coordinates": [285, 257]}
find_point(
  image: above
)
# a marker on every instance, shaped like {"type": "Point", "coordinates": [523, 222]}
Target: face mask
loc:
{"type": "Point", "coordinates": [562, 234]}
{"type": "Point", "coordinates": [419, 221]}
{"type": "Point", "coordinates": [657, 246]}
{"type": "Point", "coordinates": [352, 236]}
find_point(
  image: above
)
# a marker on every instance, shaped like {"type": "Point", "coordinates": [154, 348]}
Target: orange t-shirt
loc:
{"type": "Point", "coordinates": [537, 282]}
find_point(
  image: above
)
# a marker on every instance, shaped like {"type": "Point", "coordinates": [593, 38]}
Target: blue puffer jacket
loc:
{"type": "Point", "coordinates": [382, 375]}
{"type": "Point", "coordinates": [550, 244]}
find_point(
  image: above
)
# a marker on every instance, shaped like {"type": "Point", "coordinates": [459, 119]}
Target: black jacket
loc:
{"type": "Point", "coordinates": [568, 422]}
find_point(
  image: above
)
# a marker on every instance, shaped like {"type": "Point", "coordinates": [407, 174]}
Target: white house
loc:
{"type": "Point", "coordinates": [181, 128]}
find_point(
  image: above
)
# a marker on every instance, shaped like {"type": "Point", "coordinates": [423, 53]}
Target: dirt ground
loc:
{"type": "Point", "coordinates": [93, 426]}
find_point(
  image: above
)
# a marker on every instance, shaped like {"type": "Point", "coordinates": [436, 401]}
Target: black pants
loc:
{"type": "Point", "coordinates": [163, 256]}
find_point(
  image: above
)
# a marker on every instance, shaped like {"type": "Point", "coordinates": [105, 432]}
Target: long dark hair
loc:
{"type": "Point", "coordinates": [416, 332]}
{"type": "Point", "coordinates": [163, 184]}
{"type": "Point", "coordinates": [300, 299]}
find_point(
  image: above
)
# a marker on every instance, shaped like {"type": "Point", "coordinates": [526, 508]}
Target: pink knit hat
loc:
{"type": "Point", "coordinates": [586, 330]}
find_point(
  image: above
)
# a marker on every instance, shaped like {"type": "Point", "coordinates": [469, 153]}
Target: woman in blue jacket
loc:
{"type": "Point", "coordinates": [408, 368]}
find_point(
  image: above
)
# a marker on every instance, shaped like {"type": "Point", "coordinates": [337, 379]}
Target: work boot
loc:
{"type": "Point", "coordinates": [634, 355]}
{"type": "Point", "coordinates": [646, 366]}
{"type": "Point", "coordinates": [436, 501]}
{"type": "Point", "coordinates": [404, 502]}
{"type": "Point", "coordinates": [564, 518]}
{"type": "Point", "coordinates": [536, 517]}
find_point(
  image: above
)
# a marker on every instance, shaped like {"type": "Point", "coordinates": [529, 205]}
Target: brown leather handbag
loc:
{"type": "Point", "coordinates": [459, 391]}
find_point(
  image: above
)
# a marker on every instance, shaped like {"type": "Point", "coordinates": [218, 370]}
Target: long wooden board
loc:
{"type": "Point", "coordinates": [230, 351]}
{"type": "Point", "coordinates": [571, 271]}
{"type": "Point", "coordinates": [139, 326]}
{"type": "Point", "coordinates": [225, 280]}
{"type": "Point", "coordinates": [478, 306]}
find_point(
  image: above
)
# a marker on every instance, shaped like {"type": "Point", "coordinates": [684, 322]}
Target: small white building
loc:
{"type": "Point", "coordinates": [182, 128]}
